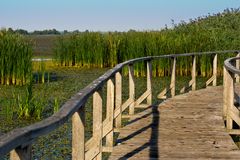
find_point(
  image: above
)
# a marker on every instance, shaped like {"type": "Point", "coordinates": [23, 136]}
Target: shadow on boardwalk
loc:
{"type": "Point", "coordinates": [152, 144]}
{"type": "Point", "coordinates": [188, 126]}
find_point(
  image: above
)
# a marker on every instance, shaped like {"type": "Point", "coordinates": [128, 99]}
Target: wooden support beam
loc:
{"type": "Point", "coordinates": [210, 80]}
{"type": "Point", "coordinates": [213, 79]}
{"type": "Point", "coordinates": [107, 149]}
{"type": "Point", "coordinates": [162, 95]}
{"type": "Point", "coordinates": [149, 82]}
{"type": "Point", "coordinates": [123, 107]}
{"type": "Point", "coordinates": [194, 73]}
{"type": "Point", "coordinates": [173, 78]}
{"type": "Point", "coordinates": [183, 90]}
{"type": "Point", "coordinates": [238, 67]}
{"type": "Point", "coordinates": [131, 88]}
{"type": "Point", "coordinates": [118, 99]}
{"type": "Point", "coordinates": [127, 116]}
{"type": "Point", "coordinates": [225, 93]}
{"type": "Point", "coordinates": [110, 110]}
{"type": "Point", "coordinates": [116, 130]}
{"type": "Point", "coordinates": [21, 153]}
{"type": "Point", "coordinates": [142, 106]}
{"type": "Point", "coordinates": [78, 134]}
{"type": "Point", "coordinates": [235, 117]}
{"type": "Point", "coordinates": [89, 144]}
{"type": "Point", "coordinates": [229, 97]}
{"type": "Point", "coordinates": [215, 70]}
{"type": "Point", "coordinates": [234, 131]}
{"type": "Point", "coordinates": [142, 97]}
{"type": "Point", "coordinates": [97, 123]}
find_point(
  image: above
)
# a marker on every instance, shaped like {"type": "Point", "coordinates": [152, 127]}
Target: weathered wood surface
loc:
{"type": "Point", "coordinates": [188, 126]}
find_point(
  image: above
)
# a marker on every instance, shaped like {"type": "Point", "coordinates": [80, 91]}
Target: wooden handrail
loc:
{"type": "Point", "coordinates": [230, 111]}
{"type": "Point", "coordinates": [19, 141]}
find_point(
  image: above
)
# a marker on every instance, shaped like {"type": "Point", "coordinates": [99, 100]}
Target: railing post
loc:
{"type": "Point", "coordinates": [237, 67]}
{"type": "Point", "coordinates": [149, 82]}
{"type": "Point", "coordinates": [131, 88]}
{"type": "Point", "coordinates": [97, 122]}
{"type": "Point", "coordinates": [194, 73]}
{"type": "Point", "coordinates": [110, 110]}
{"type": "Point", "coordinates": [78, 134]}
{"type": "Point", "coordinates": [228, 97]}
{"type": "Point", "coordinates": [118, 99]}
{"type": "Point", "coordinates": [225, 93]}
{"type": "Point", "coordinates": [20, 153]}
{"type": "Point", "coordinates": [173, 78]}
{"type": "Point", "coordinates": [215, 70]}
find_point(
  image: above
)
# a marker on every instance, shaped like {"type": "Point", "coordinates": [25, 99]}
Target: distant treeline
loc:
{"type": "Point", "coordinates": [41, 32]}
{"type": "Point", "coordinates": [95, 49]}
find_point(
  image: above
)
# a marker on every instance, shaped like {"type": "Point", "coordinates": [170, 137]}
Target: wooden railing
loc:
{"type": "Point", "coordinates": [231, 98]}
{"type": "Point", "coordinates": [19, 141]}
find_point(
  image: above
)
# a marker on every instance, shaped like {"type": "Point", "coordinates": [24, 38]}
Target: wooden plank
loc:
{"type": "Point", "coordinates": [173, 78]}
{"type": "Point", "coordinates": [225, 93]}
{"type": "Point", "coordinates": [149, 82]}
{"type": "Point", "coordinates": [123, 107]}
{"type": "Point", "coordinates": [78, 135]}
{"type": "Point", "coordinates": [97, 124]}
{"type": "Point", "coordinates": [107, 149]}
{"type": "Point", "coordinates": [117, 130]}
{"type": "Point", "coordinates": [131, 88]}
{"type": "Point", "coordinates": [142, 106]}
{"type": "Point", "coordinates": [234, 117]}
{"type": "Point", "coordinates": [126, 116]}
{"type": "Point", "coordinates": [110, 112]}
{"type": "Point", "coordinates": [234, 114]}
{"type": "Point", "coordinates": [229, 98]}
{"type": "Point", "coordinates": [210, 80]}
{"type": "Point", "coordinates": [194, 73]}
{"type": "Point", "coordinates": [118, 100]}
{"type": "Point", "coordinates": [186, 86]}
{"type": "Point", "coordinates": [90, 144]}
{"type": "Point", "coordinates": [162, 94]}
{"type": "Point", "coordinates": [107, 127]}
{"type": "Point", "coordinates": [235, 111]}
{"type": "Point", "coordinates": [91, 154]}
{"type": "Point", "coordinates": [215, 70]}
{"type": "Point", "coordinates": [234, 131]}
{"type": "Point", "coordinates": [142, 97]}
{"type": "Point", "coordinates": [237, 67]}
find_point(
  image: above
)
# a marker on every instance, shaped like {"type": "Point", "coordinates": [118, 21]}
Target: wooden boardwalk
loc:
{"type": "Point", "coordinates": [188, 126]}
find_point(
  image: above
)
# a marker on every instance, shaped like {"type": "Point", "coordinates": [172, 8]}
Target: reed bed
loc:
{"type": "Point", "coordinates": [95, 49]}
{"type": "Point", "coordinates": [15, 59]}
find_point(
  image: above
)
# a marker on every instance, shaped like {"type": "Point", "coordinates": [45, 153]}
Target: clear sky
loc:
{"type": "Point", "coordinates": [104, 15]}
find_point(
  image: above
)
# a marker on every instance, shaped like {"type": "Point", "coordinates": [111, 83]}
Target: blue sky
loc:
{"type": "Point", "coordinates": [104, 15]}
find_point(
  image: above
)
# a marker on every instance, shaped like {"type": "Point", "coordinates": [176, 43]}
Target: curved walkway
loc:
{"type": "Point", "coordinates": [188, 126]}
